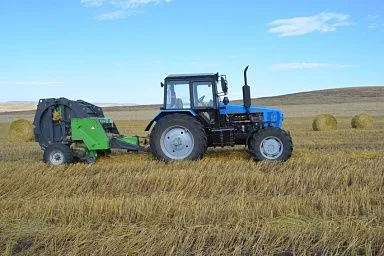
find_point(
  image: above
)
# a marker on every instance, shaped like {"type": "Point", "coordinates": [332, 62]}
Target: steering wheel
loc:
{"type": "Point", "coordinates": [200, 100]}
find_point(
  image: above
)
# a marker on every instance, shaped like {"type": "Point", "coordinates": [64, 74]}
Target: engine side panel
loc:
{"type": "Point", "coordinates": [271, 117]}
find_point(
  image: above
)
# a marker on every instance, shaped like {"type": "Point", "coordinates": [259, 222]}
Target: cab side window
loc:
{"type": "Point", "coordinates": [203, 94]}
{"type": "Point", "coordinates": [178, 95]}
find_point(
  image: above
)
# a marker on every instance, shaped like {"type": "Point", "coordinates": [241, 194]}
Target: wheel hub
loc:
{"type": "Point", "coordinates": [177, 142]}
{"type": "Point", "coordinates": [271, 147]}
{"type": "Point", "coordinates": [56, 158]}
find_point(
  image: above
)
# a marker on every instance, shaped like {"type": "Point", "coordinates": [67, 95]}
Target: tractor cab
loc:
{"type": "Point", "coordinates": [195, 92]}
{"type": "Point", "coordinates": [190, 91]}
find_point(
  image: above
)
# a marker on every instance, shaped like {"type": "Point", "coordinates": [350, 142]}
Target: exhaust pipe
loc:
{"type": "Point", "coordinates": [246, 92]}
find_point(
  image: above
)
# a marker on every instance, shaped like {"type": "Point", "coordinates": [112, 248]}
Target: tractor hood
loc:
{"type": "Point", "coordinates": [270, 116]}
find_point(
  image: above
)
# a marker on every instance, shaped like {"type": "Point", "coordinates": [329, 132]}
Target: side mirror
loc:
{"type": "Point", "coordinates": [225, 100]}
{"type": "Point", "coordinates": [224, 85]}
{"type": "Point", "coordinates": [161, 84]}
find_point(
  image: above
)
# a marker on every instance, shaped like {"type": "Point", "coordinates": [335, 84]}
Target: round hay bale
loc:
{"type": "Point", "coordinates": [362, 121]}
{"type": "Point", "coordinates": [20, 130]}
{"type": "Point", "coordinates": [324, 122]}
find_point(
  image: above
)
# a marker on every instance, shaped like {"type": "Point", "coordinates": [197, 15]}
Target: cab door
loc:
{"type": "Point", "coordinates": [204, 100]}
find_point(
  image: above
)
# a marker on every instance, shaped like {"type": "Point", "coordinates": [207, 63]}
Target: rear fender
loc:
{"type": "Point", "coordinates": [163, 113]}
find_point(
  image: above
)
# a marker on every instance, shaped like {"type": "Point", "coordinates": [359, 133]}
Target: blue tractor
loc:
{"type": "Point", "coordinates": [195, 117]}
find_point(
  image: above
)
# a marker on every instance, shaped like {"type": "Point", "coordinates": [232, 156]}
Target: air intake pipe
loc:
{"type": "Point", "coordinates": [246, 92]}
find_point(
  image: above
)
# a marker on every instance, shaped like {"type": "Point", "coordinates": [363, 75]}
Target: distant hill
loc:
{"type": "Point", "coordinates": [339, 95]}
{"type": "Point", "coordinates": [15, 102]}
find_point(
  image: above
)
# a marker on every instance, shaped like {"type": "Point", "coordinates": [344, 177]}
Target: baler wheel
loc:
{"type": "Point", "coordinates": [90, 159]}
{"type": "Point", "coordinates": [58, 154]}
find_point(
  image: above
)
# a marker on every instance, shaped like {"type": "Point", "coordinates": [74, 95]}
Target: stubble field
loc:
{"type": "Point", "coordinates": [328, 199]}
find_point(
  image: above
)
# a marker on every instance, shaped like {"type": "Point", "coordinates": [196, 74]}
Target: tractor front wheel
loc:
{"type": "Point", "coordinates": [178, 137]}
{"type": "Point", "coordinates": [270, 144]}
{"type": "Point", "coordinates": [57, 154]}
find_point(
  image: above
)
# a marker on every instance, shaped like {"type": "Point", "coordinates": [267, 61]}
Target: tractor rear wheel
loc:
{"type": "Point", "coordinates": [178, 137]}
{"type": "Point", "coordinates": [270, 144]}
{"type": "Point", "coordinates": [57, 154]}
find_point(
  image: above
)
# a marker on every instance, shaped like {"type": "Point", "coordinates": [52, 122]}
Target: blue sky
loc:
{"type": "Point", "coordinates": [119, 50]}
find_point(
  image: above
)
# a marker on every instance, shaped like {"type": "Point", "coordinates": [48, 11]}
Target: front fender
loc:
{"type": "Point", "coordinates": [163, 113]}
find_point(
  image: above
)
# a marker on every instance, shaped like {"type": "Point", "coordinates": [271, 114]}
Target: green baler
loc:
{"type": "Point", "coordinates": [68, 129]}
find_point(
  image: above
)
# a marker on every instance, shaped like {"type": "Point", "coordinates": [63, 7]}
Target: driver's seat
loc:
{"type": "Point", "coordinates": [179, 103]}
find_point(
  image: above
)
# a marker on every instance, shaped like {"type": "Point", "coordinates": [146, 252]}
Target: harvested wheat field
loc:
{"type": "Point", "coordinates": [327, 199]}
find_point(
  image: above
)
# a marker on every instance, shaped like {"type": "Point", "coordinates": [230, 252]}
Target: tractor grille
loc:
{"type": "Point", "coordinates": [242, 118]}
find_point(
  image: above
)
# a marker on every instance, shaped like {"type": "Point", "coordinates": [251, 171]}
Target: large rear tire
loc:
{"type": "Point", "coordinates": [58, 154]}
{"type": "Point", "coordinates": [178, 137]}
{"type": "Point", "coordinates": [272, 144]}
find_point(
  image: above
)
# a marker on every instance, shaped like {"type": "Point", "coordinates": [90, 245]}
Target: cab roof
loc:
{"type": "Point", "coordinates": [191, 76]}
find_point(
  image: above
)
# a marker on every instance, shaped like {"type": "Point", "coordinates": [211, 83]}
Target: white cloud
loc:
{"type": "Point", "coordinates": [322, 22]}
{"type": "Point", "coordinates": [115, 15]}
{"type": "Point", "coordinates": [121, 7]}
{"type": "Point", "coordinates": [373, 26]}
{"type": "Point", "coordinates": [121, 3]}
{"type": "Point", "coordinates": [373, 17]}
{"type": "Point", "coordinates": [92, 2]}
{"type": "Point", "coordinates": [374, 22]}
{"type": "Point", "coordinates": [307, 65]}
